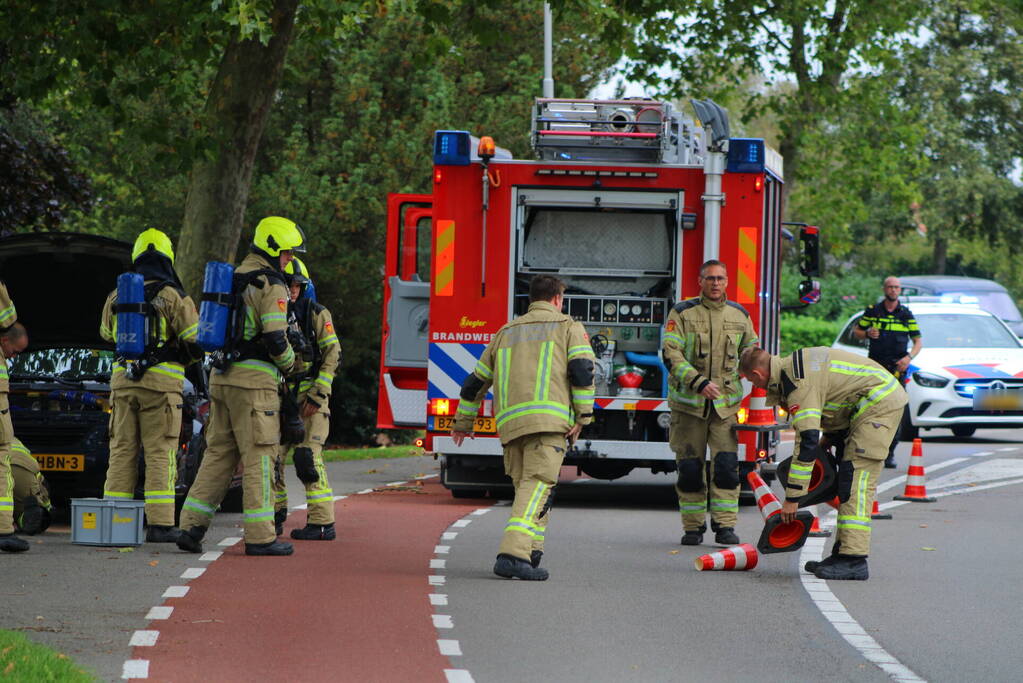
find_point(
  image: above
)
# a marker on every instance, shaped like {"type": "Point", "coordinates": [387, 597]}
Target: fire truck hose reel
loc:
{"type": "Point", "coordinates": [690, 475]}
{"type": "Point", "coordinates": [726, 470]}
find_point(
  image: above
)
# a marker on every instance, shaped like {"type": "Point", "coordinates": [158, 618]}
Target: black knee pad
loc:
{"type": "Point", "coordinates": [547, 503]}
{"type": "Point", "coordinates": [305, 466]}
{"type": "Point", "coordinates": [690, 475]}
{"type": "Point", "coordinates": [845, 480]}
{"type": "Point", "coordinates": [726, 470]}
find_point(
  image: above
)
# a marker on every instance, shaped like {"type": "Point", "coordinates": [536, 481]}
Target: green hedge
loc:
{"type": "Point", "coordinates": [798, 331]}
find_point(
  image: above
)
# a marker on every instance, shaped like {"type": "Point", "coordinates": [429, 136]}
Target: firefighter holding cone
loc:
{"type": "Point", "coordinates": [702, 341]}
{"type": "Point", "coordinates": [541, 368]}
{"type": "Point", "coordinates": [145, 392]}
{"type": "Point", "coordinates": [314, 387]}
{"type": "Point", "coordinates": [833, 390]}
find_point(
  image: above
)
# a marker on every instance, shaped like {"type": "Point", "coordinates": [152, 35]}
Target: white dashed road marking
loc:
{"type": "Point", "coordinates": [449, 535]}
{"type": "Point", "coordinates": [210, 555]}
{"type": "Point", "coordinates": [135, 668]}
{"type": "Point", "coordinates": [437, 564]}
{"type": "Point", "coordinates": [363, 491]}
{"type": "Point", "coordinates": [175, 592]}
{"type": "Point", "coordinates": [459, 523]}
{"type": "Point", "coordinates": [441, 549]}
{"type": "Point", "coordinates": [451, 648]}
{"type": "Point", "coordinates": [442, 621]}
{"type": "Point", "coordinates": [159, 612]}
{"type": "Point", "coordinates": [436, 580]}
{"type": "Point", "coordinates": [458, 676]}
{"type": "Point", "coordinates": [144, 638]}
{"type": "Point", "coordinates": [481, 511]}
{"type": "Point", "coordinates": [438, 599]}
{"type": "Point", "coordinates": [193, 572]}
{"type": "Point", "coordinates": [229, 541]}
{"type": "Point", "coordinates": [901, 479]}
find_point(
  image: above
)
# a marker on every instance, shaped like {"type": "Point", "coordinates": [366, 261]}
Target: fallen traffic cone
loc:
{"type": "Point", "coordinates": [737, 557]}
{"type": "Point", "coordinates": [816, 529]}
{"type": "Point", "coordinates": [877, 514]}
{"type": "Point", "coordinates": [916, 480]}
{"type": "Point", "coordinates": [823, 479]}
{"type": "Point", "coordinates": [778, 536]}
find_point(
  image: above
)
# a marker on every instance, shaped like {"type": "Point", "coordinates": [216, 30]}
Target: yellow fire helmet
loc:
{"type": "Point", "coordinates": [153, 240]}
{"type": "Point", "coordinates": [297, 269]}
{"type": "Point", "coordinates": [275, 234]}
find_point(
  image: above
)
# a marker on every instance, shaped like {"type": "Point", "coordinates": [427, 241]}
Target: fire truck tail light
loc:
{"type": "Point", "coordinates": [419, 443]}
{"type": "Point", "coordinates": [436, 175]}
{"type": "Point", "coordinates": [742, 416]}
{"type": "Point", "coordinates": [451, 147]}
{"type": "Point", "coordinates": [440, 406]}
{"type": "Point", "coordinates": [758, 184]}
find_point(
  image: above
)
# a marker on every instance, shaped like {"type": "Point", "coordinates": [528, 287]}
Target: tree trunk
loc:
{"type": "Point", "coordinates": [236, 113]}
{"type": "Point", "coordinates": [940, 260]}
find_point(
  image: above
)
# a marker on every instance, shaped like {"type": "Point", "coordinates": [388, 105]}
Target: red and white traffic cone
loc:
{"type": "Point", "coordinates": [778, 536]}
{"type": "Point", "coordinates": [916, 480]}
{"type": "Point", "coordinates": [816, 529]}
{"type": "Point", "coordinates": [738, 558]}
{"type": "Point", "coordinates": [766, 501]}
{"type": "Point", "coordinates": [877, 514]}
{"type": "Point", "coordinates": [759, 412]}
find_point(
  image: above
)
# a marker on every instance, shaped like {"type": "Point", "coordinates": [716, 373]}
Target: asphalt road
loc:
{"type": "Point", "coordinates": [624, 601]}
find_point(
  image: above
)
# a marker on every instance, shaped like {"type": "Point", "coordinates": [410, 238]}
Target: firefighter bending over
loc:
{"type": "Point", "coordinates": [702, 341]}
{"type": "Point", "coordinates": [541, 369]}
{"type": "Point", "coordinates": [14, 337]}
{"type": "Point", "coordinates": [837, 392]}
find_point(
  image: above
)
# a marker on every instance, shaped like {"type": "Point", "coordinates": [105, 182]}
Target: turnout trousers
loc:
{"type": "Point", "coordinates": [533, 462]}
{"type": "Point", "coordinates": [6, 478]}
{"type": "Point", "coordinates": [244, 427]}
{"type": "Point", "coordinates": [28, 481]}
{"type": "Point", "coordinates": [863, 455]}
{"type": "Point", "coordinates": [689, 436]}
{"type": "Point", "coordinates": [319, 496]}
{"type": "Point", "coordinates": [147, 420]}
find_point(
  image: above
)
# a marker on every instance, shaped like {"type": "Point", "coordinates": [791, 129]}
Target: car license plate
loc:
{"type": "Point", "coordinates": [998, 400]}
{"type": "Point", "coordinates": [60, 462]}
{"type": "Point", "coordinates": [483, 425]}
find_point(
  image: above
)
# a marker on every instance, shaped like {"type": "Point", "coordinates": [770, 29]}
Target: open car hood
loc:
{"type": "Point", "coordinates": [59, 281]}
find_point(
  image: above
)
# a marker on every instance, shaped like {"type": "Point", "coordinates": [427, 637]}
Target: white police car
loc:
{"type": "Point", "coordinates": [970, 363]}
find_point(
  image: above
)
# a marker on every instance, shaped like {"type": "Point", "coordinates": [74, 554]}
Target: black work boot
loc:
{"type": "Point", "coordinates": [535, 557]}
{"type": "Point", "coordinates": [692, 537]}
{"type": "Point", "coordinates": [162, 534]}
{"type": "Point", "coordinates": [812, 565]}
{"type": "Point", "coordinates": [35, 518]}
{"type": "Point", "coordinates": [9, 543]}
{"type": "Point", "coordinates": [726, 536]}
{"type": "Point", "coordinates": [191, 540]}
{"type": "Point", "coordinates": [889, 462]}
{"type": "Point", "coordinates": [315, 532]}
{"type": "Point", "coordinates": [844, 568]}
{"type": "Point", "coordinates": [280, 516]}
{"type": "Point", "coordinates": [511, 567]}
{"type": "Point", "coordinates": [271, 548]}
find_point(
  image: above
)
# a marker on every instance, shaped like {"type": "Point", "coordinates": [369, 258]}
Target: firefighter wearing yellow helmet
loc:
{"type": "Point", "coordinates": [145, 396]}
{"type": "Point", "coordinates": [245, 404]}
{"type": "Point", "coordinates": [317, 327]}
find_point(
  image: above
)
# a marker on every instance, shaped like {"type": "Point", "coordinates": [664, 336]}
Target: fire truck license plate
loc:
{"type": "Point", "coordinates": [60, 463]}
{"type": "Point", "coordinates": [483, 425]}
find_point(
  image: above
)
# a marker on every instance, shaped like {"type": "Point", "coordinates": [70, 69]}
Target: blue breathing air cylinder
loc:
{"type": "Point", "coordinates": [215, 309]}
{"type": "Point", "coordinates": [310, 292]}
{"type": "Point", "coordinates": [131, 321]}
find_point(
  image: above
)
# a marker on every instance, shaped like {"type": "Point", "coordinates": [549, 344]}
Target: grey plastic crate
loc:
{"type": "Point", "coordinates": [97, 521]}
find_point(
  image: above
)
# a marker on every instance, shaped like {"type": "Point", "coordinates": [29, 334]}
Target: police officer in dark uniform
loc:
{"type": "Point", "coordinates": [890, 326]}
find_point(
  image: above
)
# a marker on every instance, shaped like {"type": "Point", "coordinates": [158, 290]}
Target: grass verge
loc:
{"type": "Point", "coordinates": [336, 454]}
{"type": "Point", "coordinates": [23, 660]}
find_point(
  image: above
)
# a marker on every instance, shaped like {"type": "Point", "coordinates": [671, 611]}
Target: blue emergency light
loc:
{"type": "Point", "coordinates": [452, 148]}
{"type": "Point", "coordinates": [745, 155]}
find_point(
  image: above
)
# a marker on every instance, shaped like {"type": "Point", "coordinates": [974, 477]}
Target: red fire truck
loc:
{"type": "Point", "coordinates": [624, 201]}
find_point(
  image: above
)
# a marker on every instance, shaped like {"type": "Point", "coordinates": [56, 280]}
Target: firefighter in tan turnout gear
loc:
{"type": "Point", "coordinates": [31, 495]}
{"type": "Point", "coordinates": [12, 333]}
{"type": "Point", "coordinates": [541, 368]}
{"type": "Point", "coordinates": [244, 401]}
{"type": "Point", "coordinates": [703, 339]}
{"type": "Point", "coordinates": [145, 395]}
{"type": "Point", "coordinates": [314, 387]}
{"type": "Point", "coordinates": [837, 392]}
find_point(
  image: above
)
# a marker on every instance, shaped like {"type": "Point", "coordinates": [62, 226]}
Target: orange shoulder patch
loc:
{"type": "Point", "coordinates": [283, 305]}
{"type": "Point", "coordinates": [670, 326]}
{"type": "Point", "coordinates": [329, 326]}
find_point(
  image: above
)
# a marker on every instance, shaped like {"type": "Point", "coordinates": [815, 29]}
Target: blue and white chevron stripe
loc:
{"type": "Point", "coordinates": [449, 365]}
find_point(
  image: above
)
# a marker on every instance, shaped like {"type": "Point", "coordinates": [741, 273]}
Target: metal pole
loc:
{"type": "Point", "coordinates": [713, 199]}
{"type": "Point", "coordinates": [548, 67]}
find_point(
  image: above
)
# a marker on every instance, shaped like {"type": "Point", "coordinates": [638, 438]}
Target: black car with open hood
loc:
{"type": "Point", "coordinates": [60, 385]}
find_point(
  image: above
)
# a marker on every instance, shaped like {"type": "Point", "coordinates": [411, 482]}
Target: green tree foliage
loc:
{"type": "Point", "coordinates": [355, 122]}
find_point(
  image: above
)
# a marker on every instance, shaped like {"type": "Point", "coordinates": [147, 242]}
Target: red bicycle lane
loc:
{"type": "Point", "coordinates": [355, 609]}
